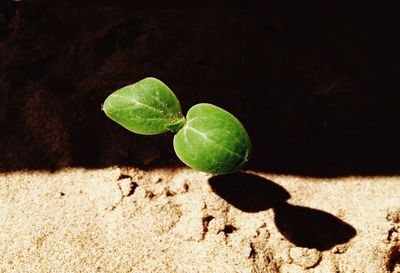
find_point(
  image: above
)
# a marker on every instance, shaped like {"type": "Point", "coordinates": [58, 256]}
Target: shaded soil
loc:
{"type": "Point", "coordinates": [316, 85]}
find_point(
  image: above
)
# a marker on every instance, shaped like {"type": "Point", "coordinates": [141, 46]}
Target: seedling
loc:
{"type": "Point", "coordinates": [209, 139]}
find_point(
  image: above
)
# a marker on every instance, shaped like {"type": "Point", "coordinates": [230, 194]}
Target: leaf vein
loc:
{"type": "Point", "coordinates": [139, 103]}
{"type": "Point", "coordinates": [204, 136]}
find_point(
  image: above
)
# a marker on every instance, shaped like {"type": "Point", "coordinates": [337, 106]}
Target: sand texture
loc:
{"type": "Point", "coordinates": [114, 220]}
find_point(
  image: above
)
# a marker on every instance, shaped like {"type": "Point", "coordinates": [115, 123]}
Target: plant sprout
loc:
{"type": "Point", "coordinates": [209, 139]}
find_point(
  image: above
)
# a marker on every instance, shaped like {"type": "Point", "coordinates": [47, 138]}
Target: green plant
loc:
{"type": "Point", "coordinates": [209, 139]}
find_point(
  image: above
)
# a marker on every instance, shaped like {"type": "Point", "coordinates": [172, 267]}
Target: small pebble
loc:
{"type": "Point", "coordinates": [306, 258]}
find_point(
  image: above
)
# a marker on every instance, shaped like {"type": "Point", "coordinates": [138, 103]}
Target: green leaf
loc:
{"type": "Point", "coordinates": [212, 140]}
{"type": "Point", "coordinates": [147, 107]}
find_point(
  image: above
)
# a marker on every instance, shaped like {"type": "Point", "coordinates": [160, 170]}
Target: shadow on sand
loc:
{"type": "Point", "coordinates": [304, 227]}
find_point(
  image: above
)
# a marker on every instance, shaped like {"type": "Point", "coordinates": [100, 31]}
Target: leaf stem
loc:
{"type": "Point", "coordinates": [175, 126]}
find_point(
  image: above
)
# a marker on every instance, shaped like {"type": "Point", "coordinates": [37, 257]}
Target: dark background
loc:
{"type": "Point", "coordinates": [316, 84]}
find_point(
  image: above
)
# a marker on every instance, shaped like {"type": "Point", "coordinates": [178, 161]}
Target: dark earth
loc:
{"type": "Point", "coordinates": [316, 84]}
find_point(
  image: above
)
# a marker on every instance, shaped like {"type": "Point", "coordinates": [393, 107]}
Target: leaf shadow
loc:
{"type": "Point", "coordinates": [302, 226]}
{"type": "Point", "coordinates": [248, 192]}
{"type": "Point", "coordinates": [312, 228]}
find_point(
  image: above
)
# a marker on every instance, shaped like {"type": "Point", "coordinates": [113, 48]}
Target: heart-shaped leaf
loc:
{"type": "Point", "coordinates": [147, 107]}
{"type": "Point", "coordinates": [212, 140]}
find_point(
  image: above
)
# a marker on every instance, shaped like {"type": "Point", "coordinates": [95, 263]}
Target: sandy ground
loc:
{"type": "Point", "coordinates": [165, 220]}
